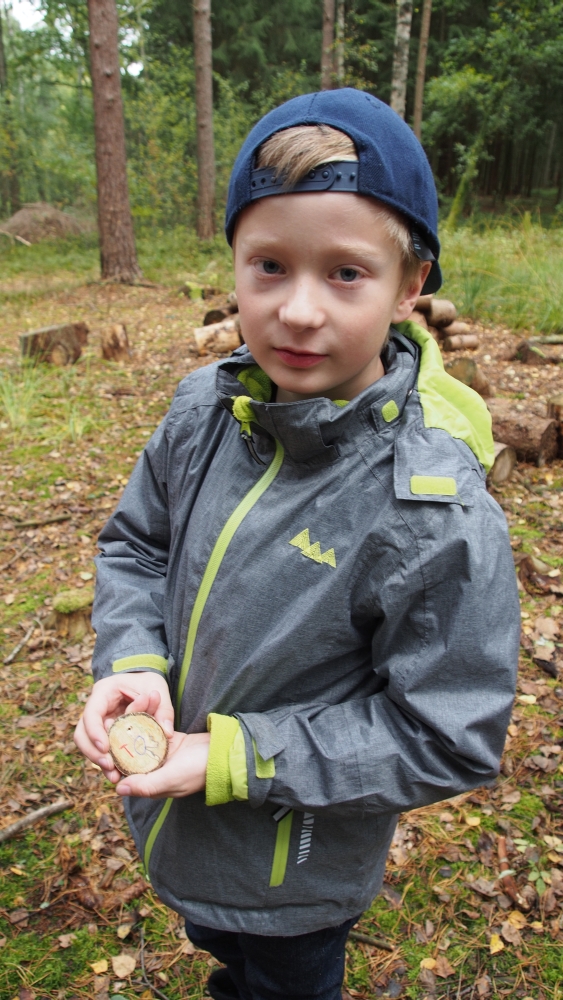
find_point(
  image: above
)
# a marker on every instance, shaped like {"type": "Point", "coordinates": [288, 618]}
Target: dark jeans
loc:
{"type": "Point", "coordinates": [306, 967]}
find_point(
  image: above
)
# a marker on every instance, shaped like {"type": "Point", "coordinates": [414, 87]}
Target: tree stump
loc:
{"type": "Point", "coordinates": [533, 438]}
{"type": "Point", "coordinates": [503, 465]}
{"type": "Point", "coordinates": [218, 338]}
{"type": "Point", "coordinates": [442, 312]}
{"type": "Point", "coordinates": [115, 343]}
{"type": "Point", "coordinates": [72, 611]}
{"type": "Point", "coordinates": [555, 410]}
{"type": "Point", "coordinates": [57, 345]}
{"type": "Point", "coordinates": [530, 354]}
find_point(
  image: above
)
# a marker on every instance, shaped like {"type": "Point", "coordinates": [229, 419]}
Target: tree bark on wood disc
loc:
{"type": "Point", "coordinates": [401, 57]}
{"type": "Point", "coordinates": [204, 119]}
{"type": "Point", "coordinates": [533, 438]}
{"type": "Point", "coordinates": [327, 51]}
{"type": "Point", "coordinates": [117, 240]}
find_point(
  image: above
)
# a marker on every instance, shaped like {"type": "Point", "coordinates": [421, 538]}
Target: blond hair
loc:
{"type": "Point", "coordinates": [295, 151]}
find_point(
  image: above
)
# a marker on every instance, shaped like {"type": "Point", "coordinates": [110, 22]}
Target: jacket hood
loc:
{"type": "Point", "coordinates": [310, 428]}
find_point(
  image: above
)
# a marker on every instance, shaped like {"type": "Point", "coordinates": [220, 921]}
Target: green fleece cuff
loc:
{"type": "Point", "coordinates": [146, 661]}
{"type": "Point", "coordinates": [218, 783]}
{"type": "Point", "coordinates": [237, 767]}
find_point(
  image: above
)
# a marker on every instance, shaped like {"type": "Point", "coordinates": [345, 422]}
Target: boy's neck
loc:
{"type": "Point", "coordinates": [345, 391]}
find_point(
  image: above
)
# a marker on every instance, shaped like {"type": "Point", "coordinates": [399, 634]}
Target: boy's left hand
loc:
{"type": "Point", "coordinates": [182, 773]}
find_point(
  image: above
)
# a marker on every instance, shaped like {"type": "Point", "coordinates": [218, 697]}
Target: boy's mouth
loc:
{"type": "Point", "coordinates": [299, 359]}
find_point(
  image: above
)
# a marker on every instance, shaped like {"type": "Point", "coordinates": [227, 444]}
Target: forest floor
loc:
{"type": "Point", "coordinates": [73, 900]}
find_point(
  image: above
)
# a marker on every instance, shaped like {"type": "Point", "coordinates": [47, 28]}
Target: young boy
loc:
{"type": "Point", "coordinates": [306, 571]}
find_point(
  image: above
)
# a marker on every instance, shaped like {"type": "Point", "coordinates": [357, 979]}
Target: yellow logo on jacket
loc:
{"type": "Point", "coordinates": [302, 541]}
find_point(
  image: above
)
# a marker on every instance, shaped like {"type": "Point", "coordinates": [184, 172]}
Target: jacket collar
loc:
{"type": "Point", "coordinates": [314, 430]}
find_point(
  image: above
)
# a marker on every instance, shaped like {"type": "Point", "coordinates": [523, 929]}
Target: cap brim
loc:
{"type": "Point", "coordinates": [433, 282]}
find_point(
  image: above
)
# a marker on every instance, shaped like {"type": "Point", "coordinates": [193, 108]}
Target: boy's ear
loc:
{"type": "Point", "coordinates": [409, 295]}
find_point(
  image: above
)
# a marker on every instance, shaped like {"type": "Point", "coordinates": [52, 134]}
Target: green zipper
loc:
{"type": "Point", "coordinates": [281, 850]}
{"type": "Point", "coordinates": [211, 570]}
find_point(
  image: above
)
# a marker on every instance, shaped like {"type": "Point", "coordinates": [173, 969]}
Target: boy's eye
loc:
{"type": "Point", "coordinates": [348, 274]}
{"type": "Point", "coordinates": [270, 267]}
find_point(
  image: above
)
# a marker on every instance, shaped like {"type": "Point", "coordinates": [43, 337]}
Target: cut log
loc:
{"type": "Point", "coordinates": [503, 465]}
{"type": "Point", "coordinates": [467, 371]}
{"type": "Point", "coordinates": [529, 353]}
{"type": "Point", "coordinates": [232, 302]}
{"type": "Point", "coordinates": [72, 610]}
{"type": "Point", "coordinates": [455, 329]}
{"type": "Point", "coordinates": [533, 438]}
{"type": "Point", "coordinates": [218, 338]}
{"type": "Point", "coordinates": [115, 343]}
{"type": "Point", "coordinates": [215, 316]}
{"type": "Point", "coordinates": [555, 410]}
{"type": "Point", "coordinates": [442, 312]}
{"type": "Point", "coordinates": [420, 318]}
{"type": "Point", "coordinates": [137, 743]}
{"type": "Point", "coordinates": [424, 303]}
{"type": "Point", "coordinates": [463, 342]}
{"type": "Point", "coordinates": [58, 345]}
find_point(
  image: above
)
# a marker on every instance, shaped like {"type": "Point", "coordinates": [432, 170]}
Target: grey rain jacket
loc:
{"type": "Point", "coordinates": [352, 602]}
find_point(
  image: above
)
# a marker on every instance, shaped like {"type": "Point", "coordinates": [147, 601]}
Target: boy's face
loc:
{"type": "Point", "coordinates": [319, 281]}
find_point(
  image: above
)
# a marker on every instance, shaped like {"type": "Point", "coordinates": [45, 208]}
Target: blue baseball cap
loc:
{"type": "Point", "coordinates": [392, 165]}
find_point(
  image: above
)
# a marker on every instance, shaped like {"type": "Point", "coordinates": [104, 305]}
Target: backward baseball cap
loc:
{"type": "Point", "coordinates": [392, 165]}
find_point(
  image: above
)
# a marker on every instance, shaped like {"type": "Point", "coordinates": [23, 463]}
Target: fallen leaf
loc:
{"type": "Point", "coordinates": [398, 856]}
{"type": "Point", "coordinates": [65, 940]}
{"type": "Point", "coordinates": [428, 963]}
{"type": "Point", "coordinates": [187, 948]}
{"type": "Point", "coordinates": [483, 887]}
{"type": "Point", "coordinates": [86, 576]}
{"type": "Point", "coordinates": [517, 919]}
{"type": "Point", "coordinates": [483, 985]}
{"type": "Point", "coordinates": [16, 871]}
{"type": "Point", "coordinates": [443, 968]}
{"type": "Point", "coordinates": [473, 820]}
{"type": "Point", "coordinates": [3, 941]}
{"type": "Point", "coordinates": [114, 864]}
{"type": "Point", "coordinates": [9, 598]}
{"type": "Point", "coordinates": [527, 699]}
{"type": "Point", "coordinates": [18, 916]}
{"type": "Point", "coordinates": [100, 967]}
{"type": "Point", "coordinates": [123, 965]}
{"type": "Point", "coordinates": [511, 934]}
{"type": "Point", "coordinates": [123, 931]}
{"type": "Point", "coordinates": [495, 944]}
{"type": "Point", "coordinates": [548, 627]}
{"type": "Point", "coordinates": [512, 797]}
{"type": "Point", "coordinates": [427, 979]}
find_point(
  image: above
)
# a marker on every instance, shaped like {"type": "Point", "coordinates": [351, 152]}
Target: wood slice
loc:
{"type": "Point", "coordinates": [420, 318]}
{"type": "Point", "coordinates": [424, 303]}
{"type": "Point", "coordinates": [218, 338]}
{"type": "Point", "coordinates": [463, 342]}
{"type": "Point", "coordinates": [504, 463]}
{"type": "Point", "coordinates": [533, 438]}
{"type": "Point", "coordinates": [115, 343]}
{"type": "Point", "coordinates": [442, 312]}
{"type": "Point", "coordinates": [137, 743]}
{"type": "Point", "coordinates": [455, 329]}
{"type": "Point", "coordinates": [466, 370]}
{"type": "Point", "coordinates": [58, 345]}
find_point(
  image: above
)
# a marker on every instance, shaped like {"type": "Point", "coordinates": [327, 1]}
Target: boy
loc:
{"type": "Point", "coordinates": [307, 565]}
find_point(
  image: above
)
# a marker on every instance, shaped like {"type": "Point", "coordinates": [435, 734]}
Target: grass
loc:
{"type": "Point", "coordinates": [68, 440]}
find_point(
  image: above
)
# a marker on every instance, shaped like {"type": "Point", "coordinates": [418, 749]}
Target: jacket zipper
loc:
{"type": "Point", "coordinates": [207, 580]}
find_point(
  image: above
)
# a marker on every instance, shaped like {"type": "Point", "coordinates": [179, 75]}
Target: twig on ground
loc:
{"type": "Point", "coordinates": [375, 942]}
{"type": "Point", "coordinates": [15, 558]}
{"type": "Point", "coordinates": [34, 523]}
{"type": "Point", "coordinates": [13, 236]}
{"type": "Point", "coordinates": [146, 981]}
{"type": "Point", "coordinates": [19, 646]}
{"type": "Point", "coordinates": [34, 817]}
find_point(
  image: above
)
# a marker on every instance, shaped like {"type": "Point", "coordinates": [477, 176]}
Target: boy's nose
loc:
{"type": "Point", "coordinates": [302, 309]}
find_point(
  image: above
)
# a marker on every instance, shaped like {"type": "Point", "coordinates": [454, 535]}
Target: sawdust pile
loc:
{"type": "Point", "coordinates": [39, 221]}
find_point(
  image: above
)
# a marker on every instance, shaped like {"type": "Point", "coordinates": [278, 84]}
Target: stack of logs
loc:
{"type": "Point", "coordinates": [439, 316]}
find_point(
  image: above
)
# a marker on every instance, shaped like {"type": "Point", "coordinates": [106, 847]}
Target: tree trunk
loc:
{"type": "Point", "coordinates": [204, 118]}
{"type": "Point", "coordinates": [421, 66]}
{"type": "Point", "coordinates": [117, 240]}
{"type": "Point", "coordinates": [401, 57]}
{"type": "Point", "coordinates": [533, 438]}
{"type": "Point", "coordinates": [462, 195]}
{"type": "Point", "coordinates": [327, 53]}
{"type": "Point", "coordinates": [340, 35]}
{"type": "Point", "coordinates": [3, 70]}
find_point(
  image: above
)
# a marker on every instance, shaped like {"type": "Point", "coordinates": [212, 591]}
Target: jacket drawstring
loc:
{"type": "Point", "coordinates": [244, 414]}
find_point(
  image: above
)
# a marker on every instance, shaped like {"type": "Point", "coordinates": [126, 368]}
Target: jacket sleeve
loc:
{"type": "Point", "coordinates": [131, 572]}
{"type": "Point", "coordinates": [444, 652]}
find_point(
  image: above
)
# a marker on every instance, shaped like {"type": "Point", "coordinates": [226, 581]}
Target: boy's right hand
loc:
{"type": "Point", "coordinates": [113, 696]}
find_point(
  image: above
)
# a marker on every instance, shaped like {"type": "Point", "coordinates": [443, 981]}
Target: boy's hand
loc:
{"type": "Point", "coordinates": [114, 696]}
{"type": "Point", "coordinates": [182, 773]}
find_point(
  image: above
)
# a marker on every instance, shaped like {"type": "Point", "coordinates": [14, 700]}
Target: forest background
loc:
{"type": "Point", "coordinates": [494, 92]}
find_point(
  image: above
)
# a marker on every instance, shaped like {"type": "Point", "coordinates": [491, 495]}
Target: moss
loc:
{"type": "Point", "coordinates": [73, 600]}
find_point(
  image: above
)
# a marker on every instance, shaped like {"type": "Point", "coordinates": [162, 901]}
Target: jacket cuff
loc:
{"type": "Point", "coordinates": [142, 661]}
{"type": "Point", "coordinates": [218, 781]}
